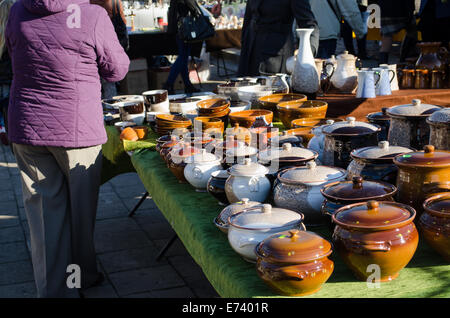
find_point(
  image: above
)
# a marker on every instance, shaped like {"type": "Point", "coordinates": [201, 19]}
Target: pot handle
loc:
{"type": "Point", "coordinates": [289, 274]}
{"type": "Point", "coordinates": [254, 184]}
{"type": "Point", "coordinates": [370, 246]}
{"type": "Point", "coordinates": [198, 174]}
{"type": "Point", "coordinates": [243, 242]}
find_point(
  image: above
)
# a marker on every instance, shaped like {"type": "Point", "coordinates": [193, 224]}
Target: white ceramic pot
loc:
{"type": "Point", "coordinates": [251, 226]}
{"type": "Point", "coordinates": [317, 142]}
{"type": "Point", "coordinates": [199, 168]}
{"type": "Point", "coordinates": [247, 180]}
{"type": "Point", "coordinates": [298, 189]}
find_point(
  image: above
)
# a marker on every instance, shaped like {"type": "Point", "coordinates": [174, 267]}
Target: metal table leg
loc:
{"type": "Point", "coordinates": [166, 247]}
{"type": "Point", "coordinates": [138, 205]}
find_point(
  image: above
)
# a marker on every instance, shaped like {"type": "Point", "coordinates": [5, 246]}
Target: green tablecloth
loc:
{"type": "Point", "coordinates": [191, 215]}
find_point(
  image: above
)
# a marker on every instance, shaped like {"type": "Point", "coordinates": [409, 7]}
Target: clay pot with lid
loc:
{"type": "Point", "coordinates": [408, 127]}
{"type": "Point", "coordinates": [381, 119]}
{"type": "Point", "coordinates": [373, 232]}
{"type": "Point", "coordinates": [285, 137]}
{"type": "Point", "coordinates": [239, 154]}
{"type": "Point", "coordinates": [247, 180]}
{"type": "Point", "coordinates": [286, 156]}
{"type": "Point", "coordinates": [199, 168]}
{"type": "Point", "coordinates": [252, 225]}
{"type": "Point", "coordinates": [376, 163]}
{"type": "Point", "coordinates": [167, 147]}
{"type": "Point", "coordinates": [422, 174]}
{"type": "Point", "coordinates": [221, 221]}
{"type": "Point", "coordinates": [176, 159]}
{"type": "Point", "coordinates": [434, 223]}
{"type": "Point", "coordinates": [216, 186]}
{"type": "Point", "coordinates": [439, 123]}
{"type": "Point", "coordinates": [342, 138]}
{"type": "Point", "coordinates": [340, 194]}
{"type": "Point", "coordinates": [298, 189]}
{"type": "Point", "coordinates": [294, 263]}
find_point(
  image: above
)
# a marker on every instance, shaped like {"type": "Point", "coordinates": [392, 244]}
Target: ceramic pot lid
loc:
{"type": "Point", "coordinates": [229, 143]}
{"type": "Point", "coordinates": [203, 158]}
{"type": "Point", "coordinates": [350, 127]}
{"type": "Point", "coordinates": [377, 215]}
{"type": "Point", "coordinates": [265, 217]}
{"type": "Point", "coordinates": [287, 152]}
{"type": "Point", "coordinates": [235, 208]}
{"type": "Point", "coordinates": [311, 173]}
{"type": "Point", "coordinates": [428, 158]}
{"type": "Point", "coordinates": [184, 151]}
{"type": "Point", "coordinates": [379, 115]}
{"type": "Point", "coordinates": [440, 117]}
{"type": "Point", "coordinates": [358, 190]}
{"type": "Point", "coordinates": [293, 246]}
{"type": "Point", "coordinates": [220, 174]}
{"type": "Point", "coordinates": [286, 138]}
{"type": "Point", "coordinates": [172, 142]}
{"type": "Point", "coordinates": [416, 108]}
{"type": "Point", "coordinates": [382, 151]}
{"type": "Point", "coordinates": [248, 169]}
{"type": "Point", "coordinates": [241, 151]}
{"type": "Point", "coordinates": [346, 56]}
{"type": "Point", "coordinates": [438, 205]}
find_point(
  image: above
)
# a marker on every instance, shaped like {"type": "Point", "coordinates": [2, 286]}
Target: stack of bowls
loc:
{"type": "Point", "coordinates": [165, 123]}
{"type": "Point", "coordinates": [288, 111]}
{"type": "Point", "coordinates": [183, 105]}
{"type": "Point", "coordinates": [270, 102]}
{"type": "Point", "coordinates": [214, 108]}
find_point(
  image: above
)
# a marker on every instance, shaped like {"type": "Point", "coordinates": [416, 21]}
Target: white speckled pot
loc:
{"type": "Point", "coordinates": [440, 129]}
{"type": "Point", "coordinates": [199, 169]}
{"type": "Point", "coordinates": [298, 189]}
{"type": "Point", "coordinates": [247, 180]}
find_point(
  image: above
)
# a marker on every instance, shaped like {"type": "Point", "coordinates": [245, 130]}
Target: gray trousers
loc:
{"type": "Point", "coordinates": [60, 193]}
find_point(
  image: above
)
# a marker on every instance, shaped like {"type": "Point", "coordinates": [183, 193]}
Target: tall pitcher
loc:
{"type": "Point", "coordinates": [305, 78]}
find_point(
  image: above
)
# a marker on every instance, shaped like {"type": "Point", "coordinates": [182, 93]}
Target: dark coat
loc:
{"type": "Point", "coordinates": [267, 37]}
{"type": "Point", "coordinates": [5, 69]}
{"type": "Point", "coordinates": [177, 9]}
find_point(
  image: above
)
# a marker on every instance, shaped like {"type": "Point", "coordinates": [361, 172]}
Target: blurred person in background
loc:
{"type": "Point", "coordinates": [347, 33]}
{"type": "Point", "coordinates": [5, 70]}
{"type": "Point", "coordinates": [177, 10]}
{"type": "Point", "coordinates": [59, 51]}
{"type": "Point", "coordinates": [114, 8]}
{"type": "Point", "coordinates": [395, 16]}
{"type": "Point", "coordinates": [329, 15]}
{"type": "Point", "coordinates": [267, 39]}
{"type": "Point", "coordinates": [435, 21]}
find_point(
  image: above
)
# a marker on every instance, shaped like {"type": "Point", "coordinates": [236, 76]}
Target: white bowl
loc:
{"type": "Point", "coordinates": [183, 105]}
{"type": "Point", "coordinates": [252, 93]}
{"type": "Point", "coordinates": [240, 106]}
{"type": "Point", "coordinates": [136, 118]}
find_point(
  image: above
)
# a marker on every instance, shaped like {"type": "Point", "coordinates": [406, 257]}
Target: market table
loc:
{"type": "Point", "coordinates": [191, 215]}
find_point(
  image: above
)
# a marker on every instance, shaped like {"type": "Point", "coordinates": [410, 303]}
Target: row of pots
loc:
{"type": "Point", "coordinates": [295, 262]}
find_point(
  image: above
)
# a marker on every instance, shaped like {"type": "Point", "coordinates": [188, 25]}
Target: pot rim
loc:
{"type": "Point", "coordinates": [259, 229]}
{"type": "Point", "coordinates": [331, 134]}
{"type": "Point", "coordinates": [376, 160]}
{"type": "Point", "coordinates": [375, 228]}
{"type": "Point", "coordinates": [294, 182]}
{"type": "Point", "coordinates": [306, 261]}
{"type": "Point", "coordinates": [430, 200]}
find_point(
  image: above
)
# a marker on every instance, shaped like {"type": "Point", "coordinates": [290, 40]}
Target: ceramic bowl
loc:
{"type": "Point", "coordinates": [288, 111]}
{"type": "Point", "coordinates": [252, 118]}
{"type": "Point", "coordinates": [306, 133]}
{"type": "Point", "coordinates": [253, 93]}
{"type": "Point", "coordinates": [209, 124]}
{"type": "Point", "coordinates": [270, 102]}
{"type": "Point", "coordinates": [237, 106]}
{"type": "Point", "coordinates": [230, 90]}
{"type": "Point", "coordinates": [121, 125]}
{"type": "Point", "coordinates": [212, 106]}
{"type": "Point", "coordinates": [183, 105]}
{"type": "Point", "coordinates": [312, 122]}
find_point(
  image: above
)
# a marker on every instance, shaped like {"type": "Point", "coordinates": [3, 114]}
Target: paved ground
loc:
{"type": "Point", "coordinates": [126, 247]}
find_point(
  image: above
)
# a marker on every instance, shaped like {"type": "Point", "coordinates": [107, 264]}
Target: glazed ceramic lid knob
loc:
{"type": "Point", "coordinates": [287, 147]}
{"type": "Point", "coordinates": [429, 158]}
{"type": "Point", "coordinates": [383, 144]}
{"type": "Point", "coordinates": [266, 208]}
{"type": "Point", "coordinates": [293, 246]}
{"type": "Point", "coordinates": [376, 215]}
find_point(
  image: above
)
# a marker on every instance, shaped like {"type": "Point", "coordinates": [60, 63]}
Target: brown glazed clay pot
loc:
{"type": "Point", "coordinates": [422, 174]}
{"type": "Point", "coordinates": [380, 233]}
{"type": "Point", "coordinates": [294, 263]}
{"type": "Point", "coordinates": [167, 147]}
{"type": "Point", "coordinates": [176, 157]}
{"type": "Point", "coordinates": [434, 223]}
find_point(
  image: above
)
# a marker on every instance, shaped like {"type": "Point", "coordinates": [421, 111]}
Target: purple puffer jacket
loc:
{"type": "Point", "coordinates": [59, 50]}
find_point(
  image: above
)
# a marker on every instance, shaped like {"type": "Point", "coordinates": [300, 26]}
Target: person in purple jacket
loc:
{"type": "Point", "coordinates": [59, 51]}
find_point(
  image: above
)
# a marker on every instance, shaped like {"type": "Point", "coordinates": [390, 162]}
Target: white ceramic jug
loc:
{"type": "Point", "coordinates": [366, 84]}
{"type": "Point", "coordinates": [345, 78]}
